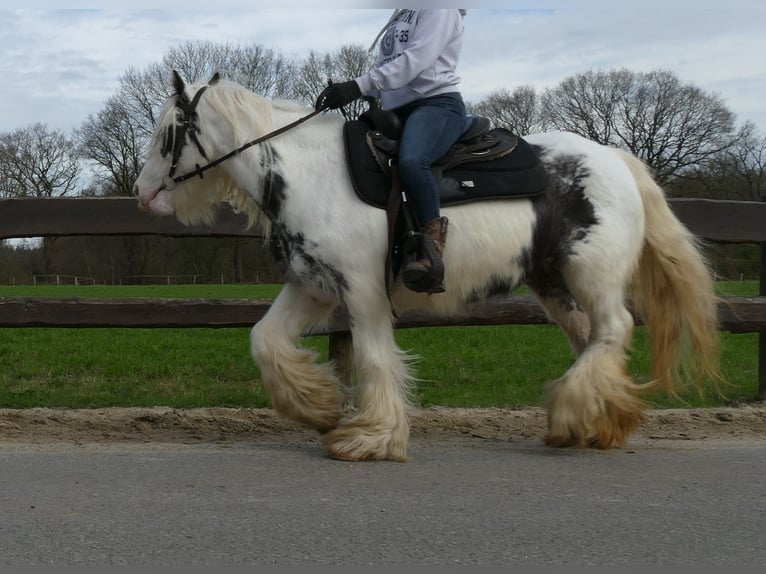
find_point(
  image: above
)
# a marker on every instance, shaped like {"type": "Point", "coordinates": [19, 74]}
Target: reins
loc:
{"type": "Point", "coordinates": [173, 180]}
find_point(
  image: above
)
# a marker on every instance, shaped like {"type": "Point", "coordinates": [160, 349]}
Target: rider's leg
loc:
{"type": "Point", "coordinates": [431, 126]}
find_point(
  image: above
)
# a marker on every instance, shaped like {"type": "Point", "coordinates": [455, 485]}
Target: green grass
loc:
{"type": "Point", "coordinates": [122, 367]}
{"type": "Point", "coordinates": [508, 366]}
{"type": "Point", "coordinates": [228, 291]}
{"type": "Point", "coordinates": [737, 288]}
{"type": "Point", "coordinates": [458, 366]}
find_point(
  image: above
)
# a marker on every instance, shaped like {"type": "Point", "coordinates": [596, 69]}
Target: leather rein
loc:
{"type": "Point", "coordinates": [188, 124]}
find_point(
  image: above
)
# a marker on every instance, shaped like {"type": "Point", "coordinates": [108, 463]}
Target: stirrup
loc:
{"type": "Point", "coordinates": [418, 276]}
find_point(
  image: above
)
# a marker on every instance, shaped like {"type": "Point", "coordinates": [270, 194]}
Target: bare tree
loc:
{"type": "Point", "coordinates": [314, 72]}
{"type": "Point", "coordinates": [38, 162]}
{"type": "Point", "coordinates": [114, 141]}
{"type": "Point", "coordinates": [259, 69]}
{"type": "Point", "coordinates": [737, 173]}
{"type": "Point", "coordinates": [670, 125]}
{"type": "Point", "coordinates": [587, 103]}
{"type": "Point", "coordinates": [516, 111]}
{"type": "Point", "coordinates": [142, 94]}
{"type": "Point", "coordinates": [263, 71]}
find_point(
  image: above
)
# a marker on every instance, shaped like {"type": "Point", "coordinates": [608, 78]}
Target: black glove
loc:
{"type": "Point", "coordinates": [336, 96]}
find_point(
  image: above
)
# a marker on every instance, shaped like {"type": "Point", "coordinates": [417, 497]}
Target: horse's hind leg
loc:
{"type": "Point", "coordinates": [299, 387]}
{"type": "Point", "coordinates": [380, 428]}
{"type": "Point", "coordinates": [595, 403]}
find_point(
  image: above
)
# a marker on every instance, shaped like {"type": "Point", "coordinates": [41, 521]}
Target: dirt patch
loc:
{"type": "Point", "coordinates": [217, 424]}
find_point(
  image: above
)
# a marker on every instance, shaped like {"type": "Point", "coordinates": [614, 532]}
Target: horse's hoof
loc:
{"type": "Point", "coordinates": [352, 443]}
{"type": "Point", "coordinates": [563, 441]}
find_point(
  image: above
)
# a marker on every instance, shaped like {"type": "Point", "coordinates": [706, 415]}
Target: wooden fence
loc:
{"type": "Point", "coordinates": [717, 221]}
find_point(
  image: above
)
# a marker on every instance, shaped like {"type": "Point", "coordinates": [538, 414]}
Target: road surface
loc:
{"type": "Point", "coordinates": [475, 497]}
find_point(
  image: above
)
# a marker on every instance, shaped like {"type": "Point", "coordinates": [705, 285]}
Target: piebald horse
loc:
{"type": "Point", "coordinates": [600, 233]}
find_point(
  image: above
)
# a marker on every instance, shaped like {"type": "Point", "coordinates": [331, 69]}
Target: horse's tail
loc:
{"type": "Point", "coordinates": [674, 292]}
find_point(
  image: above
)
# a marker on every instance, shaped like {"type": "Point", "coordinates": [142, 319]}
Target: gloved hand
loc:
{"type": "Point", "coordinates": [336, 96]}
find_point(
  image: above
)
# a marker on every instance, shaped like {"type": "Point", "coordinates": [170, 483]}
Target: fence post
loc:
{"type": "Point", "coordinates": [762, 335]}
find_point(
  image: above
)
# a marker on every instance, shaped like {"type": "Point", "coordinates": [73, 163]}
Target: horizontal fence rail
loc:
{"type": "Point", "coordinates": [736, 314]}
{"type": "Point", "coordinates": [62, 216]}
{"type": "Point", "coordinates": [711, 220]}
{"type": "Point", "coordinates": [715, 220]}
{"type": "Point", "coordinates": [724, 221]}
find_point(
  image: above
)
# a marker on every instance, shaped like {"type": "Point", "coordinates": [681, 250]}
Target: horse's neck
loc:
{"type": "Point", "coordinates": [303, 160]}
{"type": "Point", "coordinates": [313, 144]}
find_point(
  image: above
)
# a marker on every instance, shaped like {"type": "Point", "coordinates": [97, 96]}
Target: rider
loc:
{"type": "Point", "coordinates": [415, 77]}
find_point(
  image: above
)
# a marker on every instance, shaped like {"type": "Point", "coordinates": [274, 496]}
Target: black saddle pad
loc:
{"type": "Point", "coordinates": [520, 174]}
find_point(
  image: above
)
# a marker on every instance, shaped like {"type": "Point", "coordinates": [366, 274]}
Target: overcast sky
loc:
{"type": "Point", "coordinates": [59, 63]}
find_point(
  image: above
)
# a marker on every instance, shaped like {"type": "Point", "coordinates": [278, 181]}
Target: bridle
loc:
{"type": "Point", "coordinates": [175, 135]}
{"type": "Point", "coordinates": [186, 115]}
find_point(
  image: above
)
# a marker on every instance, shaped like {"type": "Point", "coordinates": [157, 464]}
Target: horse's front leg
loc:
{"type": "Point", "coordinates": [299, 387]}
{"type": "Point", "coordinates": [380, 428]}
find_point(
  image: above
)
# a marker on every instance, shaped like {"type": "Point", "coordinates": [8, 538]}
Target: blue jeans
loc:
{"type": "Point", "coordinates": [431, 126]}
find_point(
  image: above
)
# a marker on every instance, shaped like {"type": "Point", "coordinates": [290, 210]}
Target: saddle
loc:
{"type": "Point", "coordinates": [483, 164]}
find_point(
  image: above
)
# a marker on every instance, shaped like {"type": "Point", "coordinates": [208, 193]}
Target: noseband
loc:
{"type": "Point", "coordinates": [186, 115]}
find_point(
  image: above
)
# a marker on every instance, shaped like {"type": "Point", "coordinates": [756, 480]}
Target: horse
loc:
{"type": "Point", "coordinates": [600, 239]}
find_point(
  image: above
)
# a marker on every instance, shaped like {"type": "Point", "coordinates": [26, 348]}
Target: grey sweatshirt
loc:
{"type": "Point", "coordinates": [419, 52]}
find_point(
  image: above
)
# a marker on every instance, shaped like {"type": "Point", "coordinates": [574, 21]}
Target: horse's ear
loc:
{"type": "Point", "coordinates": [214, 80]}
{"type": "Point", "coordinates": [178, 85]}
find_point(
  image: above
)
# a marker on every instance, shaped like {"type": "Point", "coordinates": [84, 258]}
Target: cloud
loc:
{"type": "Point", "coordinates": [60, 65]}
{"type": "Point", "coordinates": [718, 49]}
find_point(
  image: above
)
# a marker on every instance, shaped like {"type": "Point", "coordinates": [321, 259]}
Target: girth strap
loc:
{"type": "Point", "coordinates": [392, 211]}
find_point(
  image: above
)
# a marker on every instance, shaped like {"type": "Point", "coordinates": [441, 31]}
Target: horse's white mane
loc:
{"type": "Point", "coordinates": [245, 109]}
{"type": "Point", "coordinates": [249, 116]}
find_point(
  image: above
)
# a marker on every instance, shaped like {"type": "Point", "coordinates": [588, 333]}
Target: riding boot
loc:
{"type": "Point", "coordinates": [426, 273]}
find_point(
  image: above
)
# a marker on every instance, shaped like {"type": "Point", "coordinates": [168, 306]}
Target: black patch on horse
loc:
{"type": "Point", "coordinates": [287, 246]}
{"type": "Point", "coordinates": [273, 194]}
{"type": "Point", "coordinates": [496, 286]}
{"type": "Point", "coordinates": [564, 216]}
{"type": "Point", "coordinates": [273, 183]}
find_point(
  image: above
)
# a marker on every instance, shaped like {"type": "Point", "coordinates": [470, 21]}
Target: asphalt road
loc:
{"type": "Point", "coordinates": [469, 501]}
